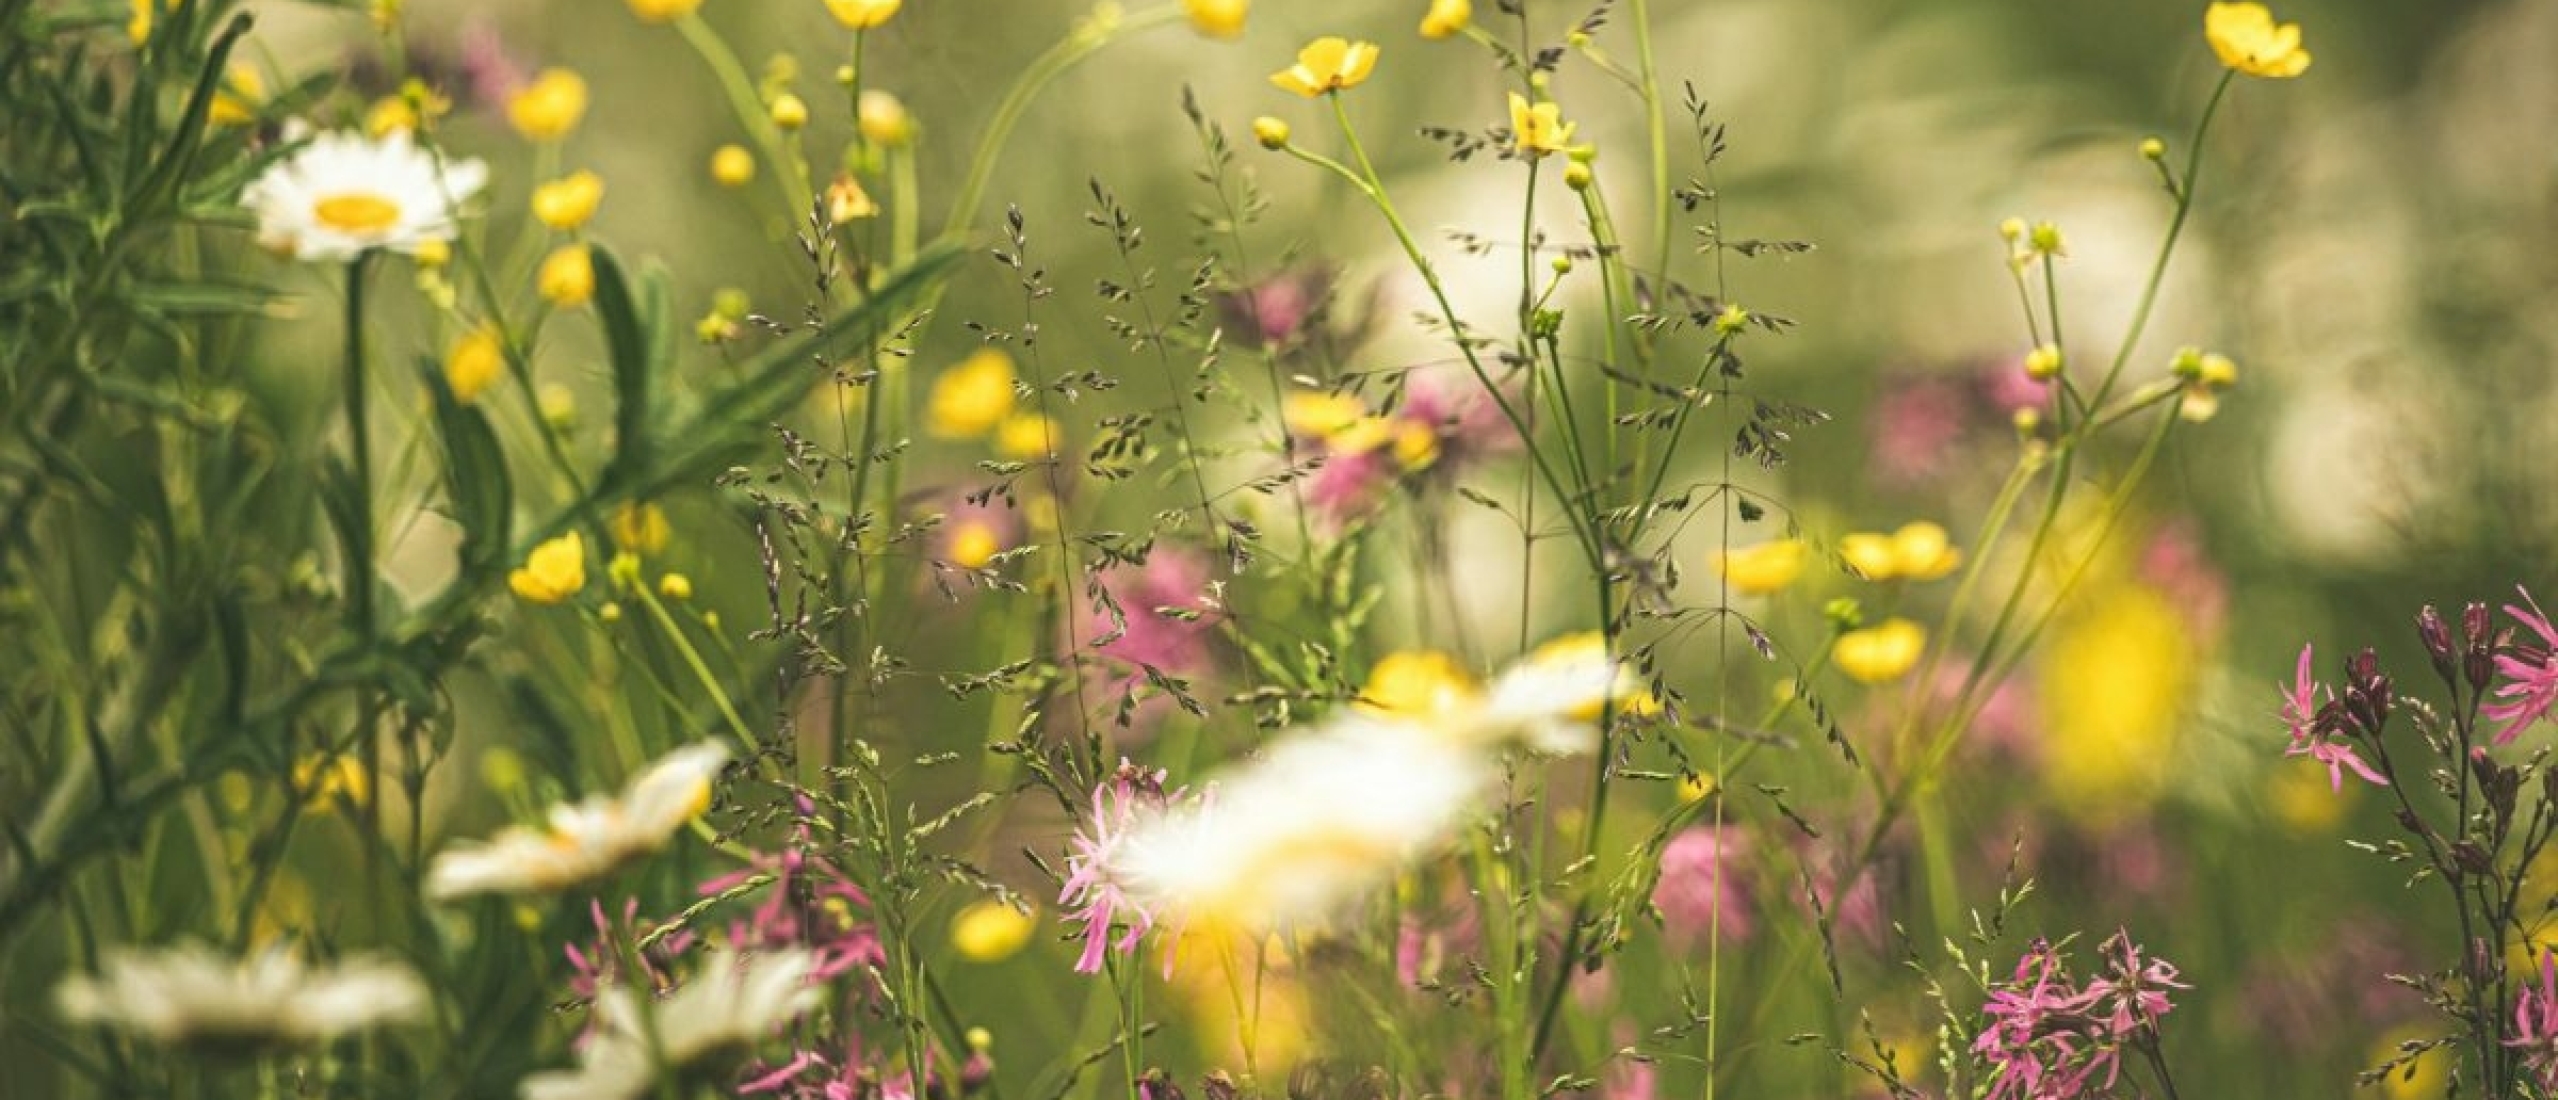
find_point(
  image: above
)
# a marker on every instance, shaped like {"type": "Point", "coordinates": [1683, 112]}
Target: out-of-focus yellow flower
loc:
{"type": "Point", "coordinates": [2113, 686]}
{"type": "Point", "coordinates": [138, 28]}
{"type": "Point", "coordinates": [991, 931]}
{"type": "Point", "coordinates": [1447, 17]}
{"type": "Point", "coordinates": [2431, 1079]}
{"type": "Point", "coordinates": [2205, 377]}
{"type": "Point", "coordinates": [973, 543]}
{"type": "Point", "coordinates": [1328, 64]}
{"type": "Point", "coordinates": [884, 120]}
{"type": "Point", "coordinates": [1321, 415]}
{"type": "Point", "coordinates": [663, 11]}
{"type": "Point", "coordinates": [1416, 445]}
{"type": "Point", "coordinates": [1919, 551]}
{"type": "Point", "coordinates": [1026, 435]}
{"type": "Point", "coordinates": [788, 112]}
{"type": "Point", "coordinates": [322, 778]}
{"type": "Point", "coordinates": [1418, 684]}
{"type": "Point", "coordinates": [553, 572]}
{"type": "Point", "coordinates": [1218, 18]}
{"type": "Point", "coordinates": [502, 768]}
{"type": "Point", "coordinates": [549, 107]}
{"type": "Point", "coordinates": [389, 115]}
{"type": "Point", "coordinates": [970, 399]}
{"type": "Point", "coordinates": [236, 102]}
{"type": "Point", "coordinates": [1272, 133]}
{"type": "Point", "coordinates": [2303, 801]}
{"type": "Point", "coordinates": [1537, 129]}
{"type": "Point", "coordinates": [558, 405]}
{"type": "Point", "coordinates": [675, 586]}
{"type": "Point", "coordinates": [1882, 653]}
{"type": "Point", "coordinates": [847, 202]}
{"type": "Point", "coordinates": [566, 203]}
{"type": "Point", "coordinates": [1695, 787]}
{"type": "Point", "coordinates": [862, 14]}
{"type": "Point", "coordinates": [640, 528]}
{"type": "Point", "coordinates": [1762, 569]}
{"type": "Point", "coordinates": [474, 363]}
{"type": "Point", "coordinates": [432, 253]}
{"type": "Point", "coordinates": [2248, 40]}
{"type": "Point", "coordinates": [732, 166]}
{"type": "Point", "coordinates": [567, 277]}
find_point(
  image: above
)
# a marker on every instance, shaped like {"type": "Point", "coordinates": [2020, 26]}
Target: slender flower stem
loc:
{"type": "Point", "coordinates": [789, 173]}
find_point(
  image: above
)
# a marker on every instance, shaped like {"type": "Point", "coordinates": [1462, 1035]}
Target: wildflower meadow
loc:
{"type": "Point", "coordinates": [1280, 550]}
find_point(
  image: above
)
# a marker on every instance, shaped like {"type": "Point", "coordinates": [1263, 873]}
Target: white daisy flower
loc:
{"type": "Point", "coordinates": [190, 996]}
{"type": "Point", "coordinates": [1551, 700]}
{"type": "Point", "coordinates": [344, 193]}
{"type": "Point", "coordinates": [706, 1027]}
{"type": "Point", "coordinates": [588, 839]}
{"type": "Point", "coordinates": [1321, 820]}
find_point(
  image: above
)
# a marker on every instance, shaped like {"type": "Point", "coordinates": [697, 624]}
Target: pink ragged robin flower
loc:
{"type": "Point", "coordinates": [2038, 1039]}
{"type": "Point", "coordinates": [2536, 1026]}
{"type": "Point", "coordinates": [2131, 995]}
{"type": "Point", "coordinates": [809, 903]}
{"type": "Point", "coordinates": [2529, 671]}
{"type": "Point", "coordinates": [598, 964]}
{"type": "Point", "coordinates": [2313, 728]}
{"type": "Point", "coordinates": [1701, 886]}
{"type": "Point", "coordinates": [1131, 798]}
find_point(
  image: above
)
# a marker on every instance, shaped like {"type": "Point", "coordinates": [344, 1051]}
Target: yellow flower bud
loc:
{"type": "Point", "coordinates": [2043, 363]}
{"type": "Point", "coordinates": [1732, 321]}
{"type": "Point", "coordinates": [990, 931]}
{"type": "Point", "coordinates": [789, 112]}
{"type": "Point", "coordinates": [432, 253]}
{"type": "Point", "coordinates": [1217, 18]}
{"type": "Point", "coordinates": [611, 612]}
{"type": "Point", "coordinates": [2046, 239]}
{"type": "Point", "coordinates": [389, 115]}
{"type": "Point", "coordinates": [662, 11]}
{"type": "Point", "coordinates": [474, 363]}
{"type": "Point", "coordinates": [567, 277]}
{"type": "Point", "coordinates": [1562, 265]}
{"type": "Point", "coordinates": [1272, 133]}
{"type": "Point", "coordinates": [550, 107]}
{"type": "Point", "coordinates": [2011, 229]}
{"type": "Point", "coordinates": [553, 572]}
{"type": "Point", "coordinates": [1576, 175]}
{"type": "Point", "coordinates": [1880, 654]}
{"type": "Point", "coordinates": [675, 586]}
{"type": "Point", "coordinates": [1446, 17]}
{"type": "Point", "coordinates": [558, 405]}
{"type": "Point", "coordinates": [2218, 371]}
{"type": "Point", "coordinates": [2153, 149]}
{"type": "Point", "coordinates": [862, 15]}
{"type": "Point", "coordinates": [732, 166]}
{"type": "Point", "coordinates": [565, 204]}
{"type": "Point", "coordinates": [884, 121]}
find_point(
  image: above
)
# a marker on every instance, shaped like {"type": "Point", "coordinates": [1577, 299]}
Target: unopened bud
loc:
{"type": "Point", "coordinates": [2436, 635]}
{"type": "Point", "coordinates": [2043, 363]}
{"type": "Point", "coordinates": [1272, 133]}
{"type": "Point", "coordinates": [2153, 149]}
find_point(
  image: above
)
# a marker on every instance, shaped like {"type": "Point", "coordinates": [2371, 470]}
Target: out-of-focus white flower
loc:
{"type": "Point", "coordinates": [1552, 699]}
{"type": "Point", "coordinates": [345, 193]}
{"type": "Point", "coordinates": [708, 1025]}
{"type": "Point", "coordinates": [587, 839]}
{"type": "Point", "coordinates": [1323, 818]}
{"type": "Point", "coordinates": [190, 996]}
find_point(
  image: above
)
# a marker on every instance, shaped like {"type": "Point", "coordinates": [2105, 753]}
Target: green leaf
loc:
{"type": "Point", "coordinates": [475, 477]}
{"type": "Point", "coordinates": [627, 343]}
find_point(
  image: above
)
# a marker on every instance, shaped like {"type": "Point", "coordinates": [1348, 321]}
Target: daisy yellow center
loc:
{"type": "Point", "coordinates": [357, 212]}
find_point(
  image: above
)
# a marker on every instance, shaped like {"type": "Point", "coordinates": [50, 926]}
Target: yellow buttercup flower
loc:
{"type": "Point", "coordinates": [1537, 129]}
{"type": "Point", "coordinates": [565, 204]}
{"type": "Point", "coordinates": [1321, 415]}
{"type": "Point", "coordinates": [1328, 64]}
{"type": "Point", "coordinates": [662, 11]}
{"type": "Point", "coordinates": [1447, 17]}
{"type": "Point", "coordinates": [1026, 435]}
{"type": "Point", "coordinates": [991, 931]}
{"type": "Point", "coordinates": [675, 586]}
{"type": "Point", "coordinates": [236, 102]}
{"type": "Point", "coordinates": [550, 107]}
{"type": "Point", "coordinates": [862, 15]}
{"type": "Point", "coordinates": [1917, 552]}
{"type": "Point", "coordinates": [973, 543]}
{"type": "Point", "coordinates": [884, 121]}
{"type": "Point", "coordinates": [970, 399]}
{"type": "Point", "coordinates": [474, 363]}
{"type": "Point", "coordinates": [1218, 18]}
{"type": "Point", "coordinates": [733, 166]}
{"type": "Point", "coordinates": [847, 202]}
{"type": "Point", "coordinates": [640, 528]}
{"type": "Point", "coordinates": [2248, 40]}
{"type": "Point", "coordinates": [554, 571]}
{"type": "Point", "coordinates": [1418, 684]}
{"type": "Point", "coordinates": [1880, 654]}
{"type": "Point", "coordinates": [567, 277]}
{"type": "Point", "coordinates": [2112, 686]}
{"type": "Point", "coordinates": [1762, 569]}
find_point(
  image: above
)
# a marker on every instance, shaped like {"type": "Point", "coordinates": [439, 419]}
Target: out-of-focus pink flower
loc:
{"type": "Point", "coordinates": [1632, 1080]}
{"type": "Point", "coordinates": [1166, 620]}
{"type": "Point", "coordinates": [493, 75]}
{"type": "Point", "coordinates": [2313, 731]}
{"type": "Point", "coordinates": [1701, 886]}
{"type": "Point", "coordinates": [1130, 798]}
{"type": "Point", "coordinates": [1858, 911]}
{"type": "Point", "coordinates": [2175, 564]}
{"type": "Point", "coordinates": [2536, 1026]}
{"type": "Point", "coordinates": [1915, 426]}
{"type": "Point", "coordinates": [599, 964]}
{"type": "Point", "coordinates": [1445, 423]}
{"type": "Point", "coordinates": [2530, 672]}
{"type": "Point", "coordinates": [1424, 944]}
{"type": "Point", "coordinates": [2008, 389]}
{"type": "Point", "coordinates": [810, 903]}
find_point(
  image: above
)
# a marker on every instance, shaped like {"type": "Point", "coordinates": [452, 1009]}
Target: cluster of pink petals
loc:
{"type": "Point", "coordinates": [598, 964]}
{"type": "Point", "coordinates": [810, 903]}
{"type": "Point", "coordinates": [2529, 672]}
{"type": "Point", "coordinates": [1466, 423]}
{"type": "Point", "coordinates": [2313, 729]}
{"type": "Point", "coordinates": [2536, 1026]}
{"type": "Point", "coordinates": [2052, 1039]}
{"type": "Point", "coordinates": [1141, 636]}
{"type": "Point", "coordinates": [1129, 798]}
{"type": "Point", "coordinates": [1702, 886]}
